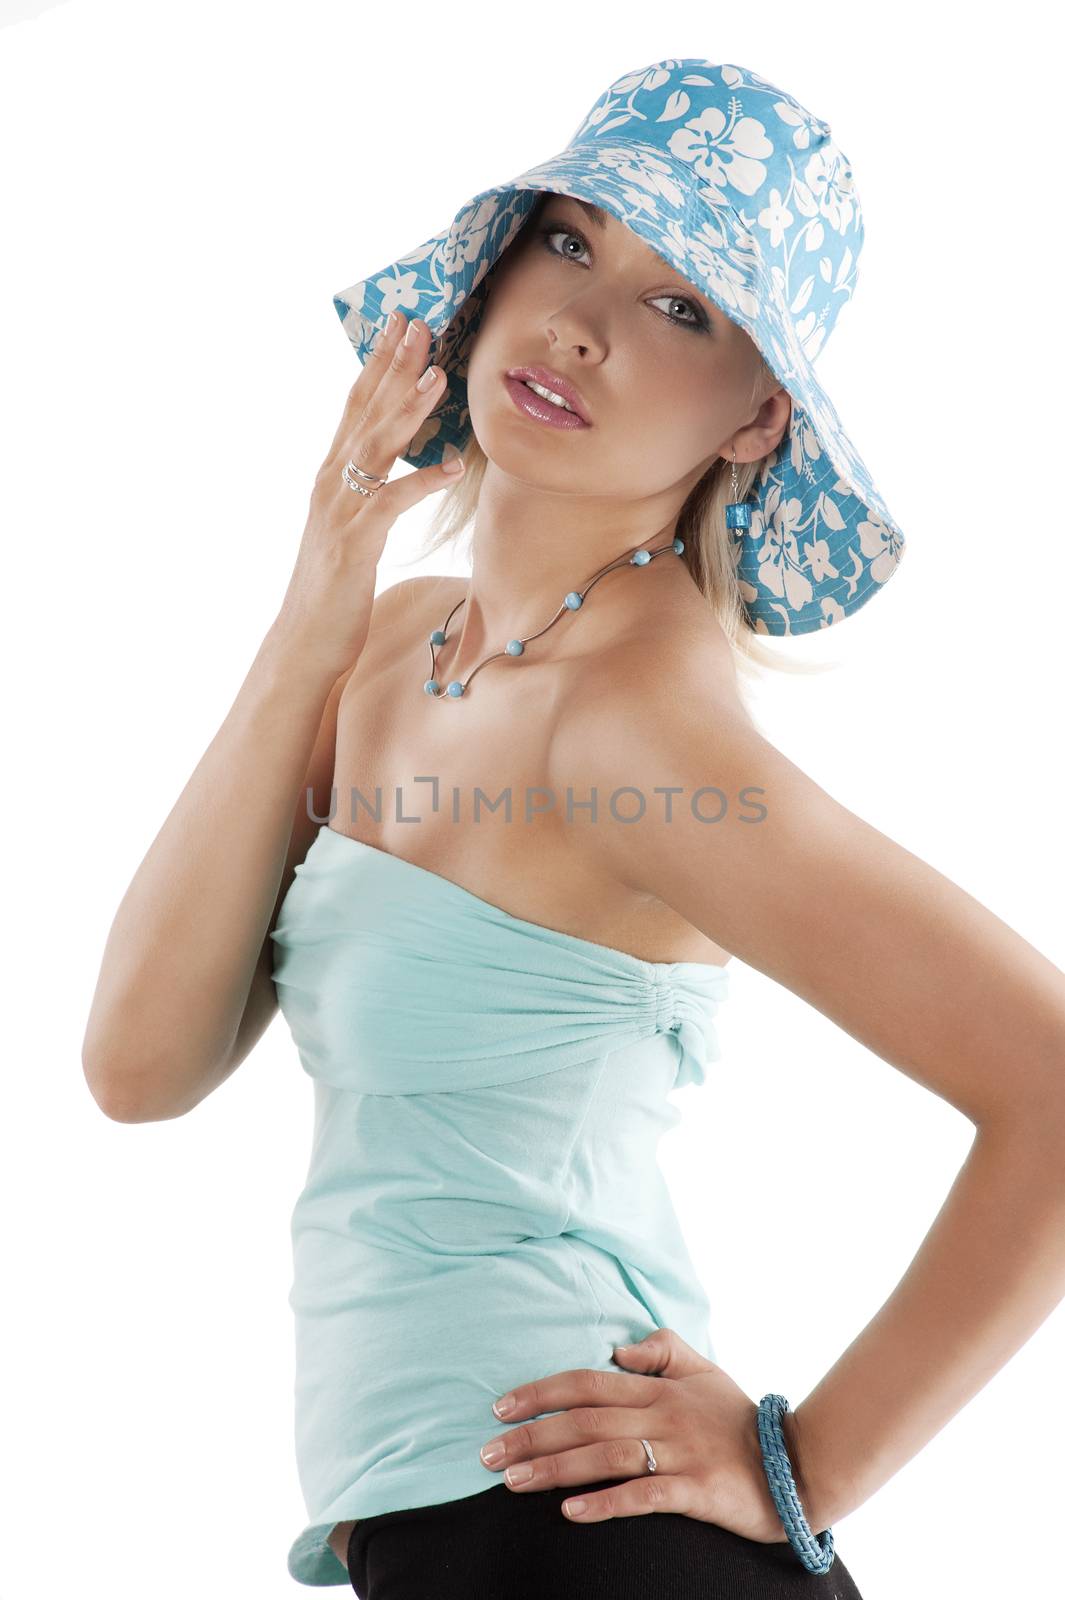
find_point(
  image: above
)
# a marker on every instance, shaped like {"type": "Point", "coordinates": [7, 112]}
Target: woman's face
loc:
{"type": "Point", "coordinates": [665, 376]}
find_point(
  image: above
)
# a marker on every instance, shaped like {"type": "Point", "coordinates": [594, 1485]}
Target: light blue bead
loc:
{"type": "Point", "coordinates": [515, 647]}
{"type": "Point", "coordinates": [678, 545]}
{"type": "Point", "coordinates": [454, 689]}
{"type": "Point", "coordinates": [574, 601]}
{"type": "Point", "coordinates": [431, 686]}
{"type": "Point", "coordinates": [641, 558]}
{"type": "Point", "coordinates": [738, 514]}
{"type": "Point", "coordinates": [437, 636]}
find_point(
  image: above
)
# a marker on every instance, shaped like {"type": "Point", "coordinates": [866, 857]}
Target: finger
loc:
{"type": "Point", "coordinates": [370, 375]}
{"type": "Point", "coordinates": [599, 1426]}
{"type": "Point", "coordinates": [579, 1386]}
{"type": "Point", "coordinates": [663, 1352]}
{"type": "Point", "coordinates": [634, 1498]}
{"type": "Point", "coordinates": [591, 1463]}
{"type": "Point", "coordinates": [398, 495]}
{"type": "Point", "coordinates": [396, 407]}
{"type": "Point", "coordinates": [384, 430]}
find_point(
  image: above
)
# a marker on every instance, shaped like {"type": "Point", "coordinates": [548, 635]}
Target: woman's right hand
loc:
{"type": "Point", "coordinates": [326, 610]}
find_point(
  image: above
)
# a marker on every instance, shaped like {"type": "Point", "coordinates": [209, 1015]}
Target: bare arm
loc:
{"type": "Point", "coordinates": [924, 975]}
{"type": "Point", "coordinates": [261, 1006]}
{"type": "Point", "coordinates": [189, 943]}
{"type": "Point", "coordinates": [185, 985]}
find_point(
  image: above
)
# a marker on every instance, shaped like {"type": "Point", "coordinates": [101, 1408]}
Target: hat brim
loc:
{"type": "Point", "coordinates": [821, 540]}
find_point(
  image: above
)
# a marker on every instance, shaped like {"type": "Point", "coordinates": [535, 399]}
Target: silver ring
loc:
{"type": "Point", "coordinates": [371, 477]}
{"type": "Point", "coordinates": [652, 1464]}
{"type": "Point", "coordinates": [349, 468]}
{"type": "Point", "coordinates": [369, 493]}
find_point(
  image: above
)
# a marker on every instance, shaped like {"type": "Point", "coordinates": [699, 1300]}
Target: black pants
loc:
{"type": "Point", "coordinates": [502, 1545]}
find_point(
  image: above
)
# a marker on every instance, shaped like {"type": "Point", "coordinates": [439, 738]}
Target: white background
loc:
{"type": "Point", "coordinates": [184, 189]}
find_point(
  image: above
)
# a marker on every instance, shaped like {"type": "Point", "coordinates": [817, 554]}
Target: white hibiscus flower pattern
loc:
{"type": "Point", "coordinates": [745, 193]}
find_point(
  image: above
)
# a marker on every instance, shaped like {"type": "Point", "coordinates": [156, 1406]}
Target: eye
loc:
{"type": "Point", "coordinates": [698, 320]}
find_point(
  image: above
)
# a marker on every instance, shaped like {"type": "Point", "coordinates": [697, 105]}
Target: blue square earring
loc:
{"type": "Point", "coordinates": [738, 513]}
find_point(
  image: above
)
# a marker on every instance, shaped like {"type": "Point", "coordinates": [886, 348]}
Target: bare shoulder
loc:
{"type": "Point", "coordinates": [650, 731]}
{"type": "Point", "coordinates": [750, 850]}
{"type": "Point", "coordinates": [399, 609]}
{"type": "Point", "coordinates": [655, 694]}
{"type": "Point", "coordinates": [404, 599]}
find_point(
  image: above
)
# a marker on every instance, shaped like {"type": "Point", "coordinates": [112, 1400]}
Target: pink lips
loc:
{"type": "Point", "coordinates": [535, 405]}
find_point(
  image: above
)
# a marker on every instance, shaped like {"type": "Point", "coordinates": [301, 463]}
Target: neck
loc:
{"type": "Point", "coordinates": [529, 550]}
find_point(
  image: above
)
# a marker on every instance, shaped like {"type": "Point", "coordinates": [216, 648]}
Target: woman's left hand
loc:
{"type": "Point", "coordinates": [701, 1426]}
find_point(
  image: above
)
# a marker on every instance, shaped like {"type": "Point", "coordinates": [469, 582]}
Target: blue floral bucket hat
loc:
{"type": "Point", "coordinates": [745, 193]}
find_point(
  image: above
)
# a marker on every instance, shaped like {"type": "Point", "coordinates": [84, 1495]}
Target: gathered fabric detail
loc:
{"type": "Point", "coordinates": [396, 980]}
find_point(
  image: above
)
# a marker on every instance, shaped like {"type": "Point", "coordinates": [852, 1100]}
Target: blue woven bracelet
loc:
{"type": "Point", "coordinates": [816, 1555]}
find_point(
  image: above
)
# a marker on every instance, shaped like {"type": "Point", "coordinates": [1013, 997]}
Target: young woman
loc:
{"type": "Point", "coordinates": [509, 938]}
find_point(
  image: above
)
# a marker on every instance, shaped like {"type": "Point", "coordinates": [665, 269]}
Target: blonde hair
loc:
{"type": "Point", "coordinates": [700, 523]}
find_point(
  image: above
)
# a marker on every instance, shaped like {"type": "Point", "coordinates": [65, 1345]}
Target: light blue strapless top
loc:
{"type": "Point", "coordinates": [483, 1204]}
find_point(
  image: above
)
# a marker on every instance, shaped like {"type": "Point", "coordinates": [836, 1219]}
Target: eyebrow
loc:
{"type": "Point", "coordinates": [595, 214]}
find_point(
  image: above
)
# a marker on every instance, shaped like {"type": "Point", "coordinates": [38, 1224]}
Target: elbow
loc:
{"type": "Point", "coordinates": [115, 1102]}
{"type": "Point", "coordinates": [113, 1094]}
{"type": "Point", "coordinates": [137, 1075]}
{"type": "Point", "coordinates": [1038, 1129]}
{"type": "Point", "coordinates": [127, 1094]}
{"type": "Point", "coordinates": [117, 1109]}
